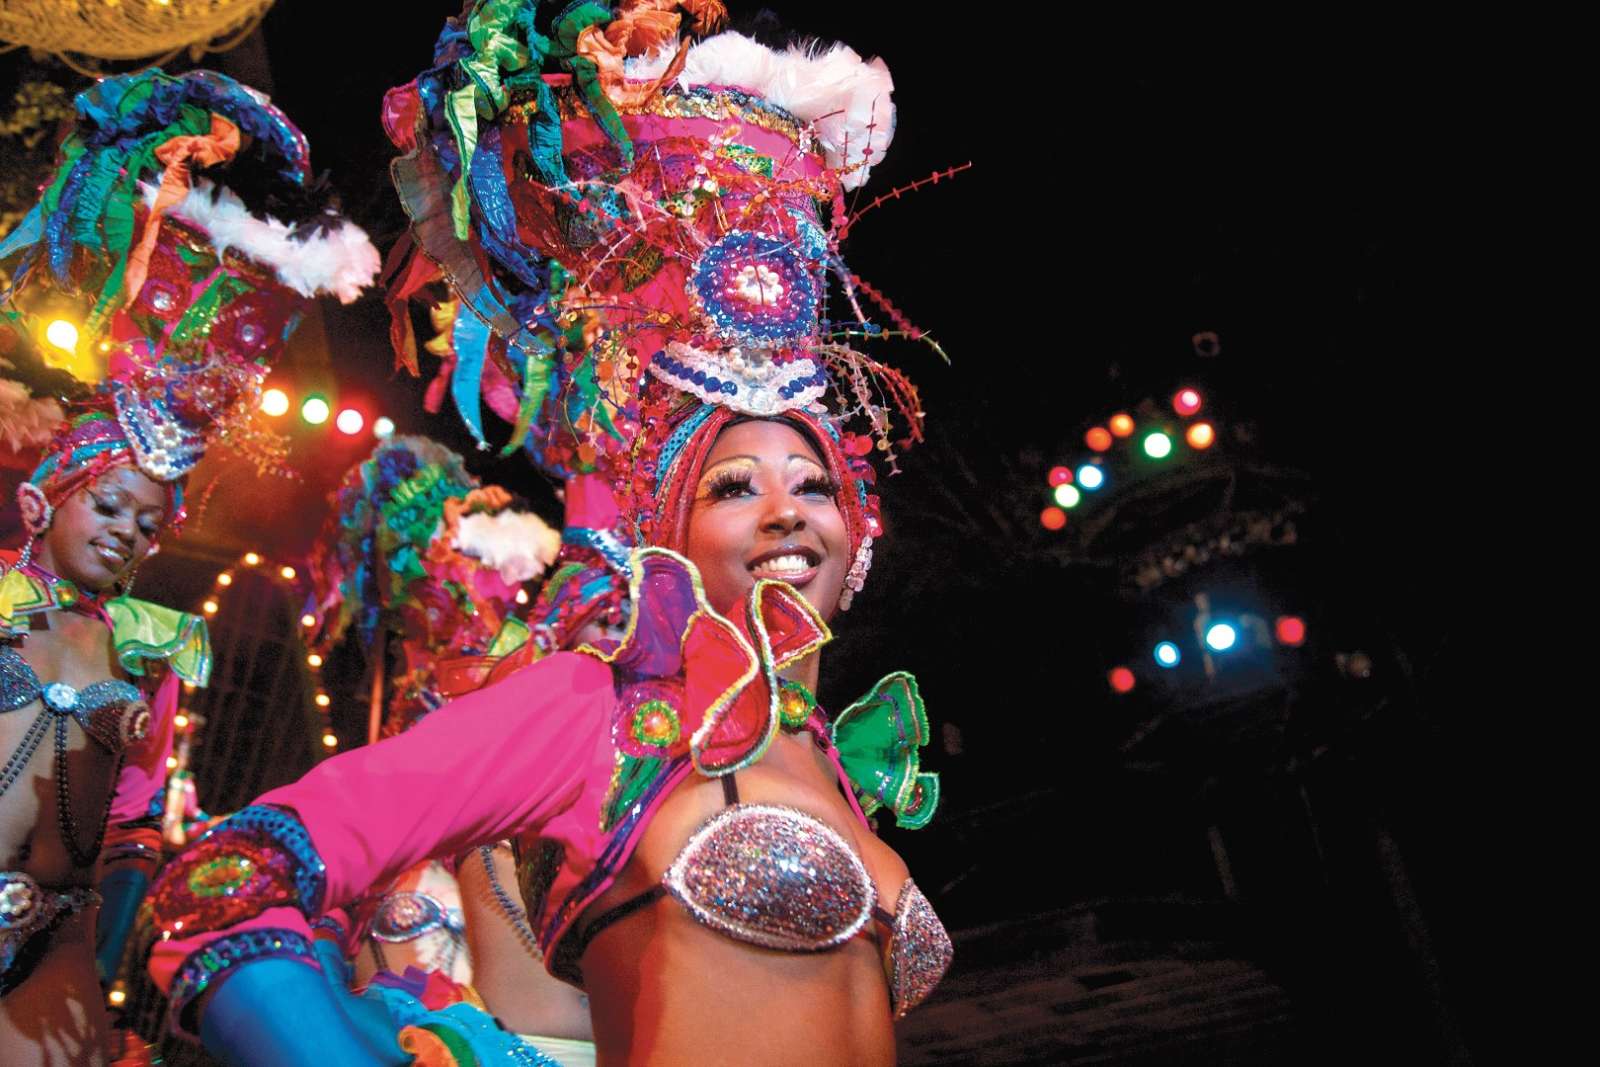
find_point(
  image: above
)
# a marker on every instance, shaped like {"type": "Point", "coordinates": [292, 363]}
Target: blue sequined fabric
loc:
{"type": "Point", "coordinates": [212, 964]}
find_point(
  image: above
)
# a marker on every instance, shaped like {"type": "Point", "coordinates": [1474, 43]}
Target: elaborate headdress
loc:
{"type": "Point", "coordinates": [168, 260]}
{"type": "Point", "coordinates": [416, 545]}
{"type": "Point", "coordinates": [633, 229]}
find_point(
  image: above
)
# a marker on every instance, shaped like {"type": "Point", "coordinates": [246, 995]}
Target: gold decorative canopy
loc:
{"type": "Point", "coordinates": [81, 31]}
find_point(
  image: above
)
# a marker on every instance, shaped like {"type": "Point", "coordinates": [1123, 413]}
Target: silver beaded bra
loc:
{"type": "Point", "coordinates": [111, 711]}
{"type": "Point", "coordinates": [783, 879]}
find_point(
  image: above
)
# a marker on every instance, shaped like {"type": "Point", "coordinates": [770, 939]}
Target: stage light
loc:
{"type": "Point", "coordinates": [314, 660]}
{"type": "Point", "coordinates": [1201, 436]}
{"type": "Point", "coordinates": [1122, 680]}
{"type": "Point", "coordinates": [1291, 630]}
{"type": "Point", "coordinates": [323, 700]}
{"type": "Point", "coordinates": [330, 741]}
{"type": "Point", "coordinates": [1186, 402]}
{"type": "Point", "coordinates": [1091, 477]}
{"type": "Point", "coordinates": [1167, 654]}
{"type": "Point", "coordinates": [350, 421]}
{"type": "Point", "coordinates": [1060, 475]}
{"type": "Point", "coordinates": [288, 572]}
{"type": "Point", "coordinates": [314, 410]}
{"type": "Point", "coordinates": [1158, 445]}
{"type": "Point", "coordinates": [224, 579]}
{"type": "Point", "coordinates": [275, 402]}
{"type": "Point", "coordinates": [1099, 439]}
{"type": "Point", "coordinates": [180, 721]}
{"type": "Point", "coordinates": [1052, 518]}
{"type": "Point", "coordinates": [251, 559]}
{"type": "Point", "coordinates": [118, 996]}
{"type": "Point", "coordinates": [1121, 424]}
{"type": "Point", "coordinates": [308, 620]}
{"type": "Point", "coordinates": [209, 607]}
{"type": "Point", "coordinates": [1221, 636]}
{"type": "Point", "coordinates": [172, 762]}
{"type": "Point", "coordinates": [522, 596]}
{"type": "Point", "coordinates": [62, 334]}
{"type": "Point", "coordinates": [1068, 496]}
{"type": "Point", "coordinates": [383, 427]}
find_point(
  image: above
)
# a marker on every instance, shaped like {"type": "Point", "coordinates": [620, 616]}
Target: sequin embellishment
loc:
{"type": "Point", "coordinates": [773, 876]}
{"type": "Point", "coordinates": [919, 950]}
{"type": "Point", "coordinates": [408, 915]}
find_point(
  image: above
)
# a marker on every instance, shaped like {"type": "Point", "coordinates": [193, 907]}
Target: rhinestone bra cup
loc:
{"type": "Point", "coordinates": [113, 712]}
{"type": "Point", "coordinates": [782, 879]}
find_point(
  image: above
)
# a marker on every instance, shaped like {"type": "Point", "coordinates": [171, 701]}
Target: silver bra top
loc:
{"type": "Point", "coordinates": [111, 711]}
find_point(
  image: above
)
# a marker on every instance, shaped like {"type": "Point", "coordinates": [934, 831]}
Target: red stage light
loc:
{"type": "Point", "coordinates": [1186, 402]}
{"type": "Point", "coordinates": [1122, 680]}
{"type": "Point", "coordinates": [1291, 630]}
{"type": "Point", "coordinates": [350, 421]}
{"type": "Point", "coordinates": [1060, 475]}
{"type": "Point", "coordinates": [1052, 518]}
{"type": "Point", "coordinates": [1098, 439]}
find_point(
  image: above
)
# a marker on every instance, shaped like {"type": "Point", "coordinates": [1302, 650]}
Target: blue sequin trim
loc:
{"type": "Point", "coordinates": [608, 544]}
{"type": "Point", "coordinates": [310, 874]}
{"type": "Point", "coordinates": [675, 442]}
{"type": "Point", "coordinates": [210, 965]}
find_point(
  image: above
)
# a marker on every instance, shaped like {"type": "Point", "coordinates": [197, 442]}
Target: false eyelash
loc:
{"type": "Point", "coordinates": [819, 484]}
{"type": "Point", "coordinates": [725, 480]}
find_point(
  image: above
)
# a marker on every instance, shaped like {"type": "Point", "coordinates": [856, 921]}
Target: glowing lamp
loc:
{"type": "Point", "coordinates": [1122, 680]}
{"type": "Point", "coordinates": [1068, 496]}
{"type": "Point", "coordinates": [287, 572]}
{"type": "Point", "coordinates": [314, 660]}
{"type": "Point", "coordinates": [1201, 435]}
{"type": "Point", "coordinates": [314, 410]}
{"type": "Point", "coordinates": [1291, 630]}
{"type": "Point", "coordinates": [522, 596]}
{"type": "Point", "coordinates": [382, 427]}
{"type": "Point", "coordinates": [323, 700]}
{"type": "Point", "coordinates": [1186, 402]}
{"type": "Point", "coordinates": [172, 762]}
{"type": "Point", "coordinates": [1098, 439]}
{"type": "Point", "coordinates": [1060, 475]}
{"type": "Point", "coordinates": [1158, 445]}
{"type": "Point", "coordinates": [1091, 477]}
{"type": "Point", "coordinates": [225, 579]}
{"type": "Point", "coordinates": [308, 620]}
{"type": "Point", "coordinates": [62, 334]}
{"type": "Point", "coordinates": [1121, 424]}
{"type": "Point", "coordinates": [330, 741]}
{"type": "Point", "coordinates": [350, 422]}
{"type": "Point", "coordinates": [209, 607]}
{"type": "Point", "coordinates": [275, 402]}
{"type": "Point", "coordinates": [1052, 518]}
{"type": "Point", "coordinates": [1167, 654]}
{"type": "Point", "coordinates": [180, 721]}
{"type": "Point", "coordinates": [1221, 636]}
{"type": "Point", "coordinates": [251, 559]}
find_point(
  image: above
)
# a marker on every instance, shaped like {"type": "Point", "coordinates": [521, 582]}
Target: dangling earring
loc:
{"type": "Point", "coordinates": [36, 516]}
{"type": "Point", "coordinates": [857, 577]}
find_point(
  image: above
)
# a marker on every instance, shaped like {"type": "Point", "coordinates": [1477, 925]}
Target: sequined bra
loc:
{"type": "Point", "coordinates": [782, 879]}
{"type": "Point", "coordinates": [111, 711]}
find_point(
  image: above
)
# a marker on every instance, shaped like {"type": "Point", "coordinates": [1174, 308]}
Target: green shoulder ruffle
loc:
{"type": "Point", "coordinates": [143, 631]}
{"type": "Point", "coordinates": [878, 737]}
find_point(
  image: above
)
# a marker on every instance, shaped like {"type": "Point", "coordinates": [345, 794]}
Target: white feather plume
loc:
{"type": "Point", "coordinates": [518, 544]}
{"type": "Point", "coordinates": [340, 261]}
{"type": "Point", "coordinates": [846, 99]}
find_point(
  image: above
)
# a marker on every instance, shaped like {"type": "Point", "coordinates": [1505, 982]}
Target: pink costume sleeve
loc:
{"type": "Point", "coordinates": [492, 764]}
{"type": "Point", "coordinates": [133, 833]}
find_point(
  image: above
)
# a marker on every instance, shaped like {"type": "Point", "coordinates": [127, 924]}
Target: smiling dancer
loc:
{"type": "Point", "coordinates": [697, 851]}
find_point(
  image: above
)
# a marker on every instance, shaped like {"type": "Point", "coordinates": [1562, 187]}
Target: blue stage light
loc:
{"type": "Point", "coordinates": [1091, 477]}
{"type": "Point", "coordinates": [1221, 636]}
{"type": "Point", "coordinates": [1167, 654]}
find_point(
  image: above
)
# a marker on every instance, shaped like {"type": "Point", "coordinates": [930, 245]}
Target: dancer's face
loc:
{"type": "Point", "coordinates": [765, 507]}
{"type": "Point", "coordinates": [102, 532]}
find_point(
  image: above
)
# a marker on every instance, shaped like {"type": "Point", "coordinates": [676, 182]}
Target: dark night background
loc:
{"type": "Point", "coordinates": [1122, 200]}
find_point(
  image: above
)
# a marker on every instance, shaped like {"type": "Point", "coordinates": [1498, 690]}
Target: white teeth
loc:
{"type": "Point", "coordinates": [783, 565]}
